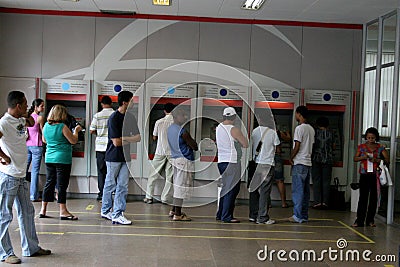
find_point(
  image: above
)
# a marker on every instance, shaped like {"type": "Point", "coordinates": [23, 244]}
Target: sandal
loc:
{"type": "Point", "coordinates": [68, 218]}
{"type": "Point", "coordinates": [372, 224]}
{"type": "Point", "coordinates": [356, 225]}
{"type": "Point", "coordinates": [43, 216]}
{"type": "Point", "coordinates": [285, 206]}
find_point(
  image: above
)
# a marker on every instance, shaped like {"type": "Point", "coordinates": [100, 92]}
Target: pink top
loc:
{"type": "Point", "coordinates": [35, 134]}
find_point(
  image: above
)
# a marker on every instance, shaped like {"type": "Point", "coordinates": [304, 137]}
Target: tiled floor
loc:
{"type": "Point", "coordinates": [153, 240]}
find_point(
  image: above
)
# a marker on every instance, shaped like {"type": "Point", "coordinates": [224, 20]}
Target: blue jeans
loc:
{"type": "Point", "coordinates": [15, 190]}
{"type": "Point", "coordinates": [230, 173]}
{"type": "Point", "coordinates": [116, 180]}
{"type": "Point", "coordinates": [300, 192]}
{"type": "Point", "coordinates": [34, 157]}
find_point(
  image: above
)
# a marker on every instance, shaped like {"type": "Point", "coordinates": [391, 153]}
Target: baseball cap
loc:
{"type": "Point", "coordinates": [229, 111]}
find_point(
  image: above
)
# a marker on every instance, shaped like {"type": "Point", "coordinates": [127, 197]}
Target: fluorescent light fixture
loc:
{"type": "Point", "coordinates": [252, 4]}
{"type": "Point", "coordinates": [71, 0]}
{"type": "Point", "coordinates": [162, 2]}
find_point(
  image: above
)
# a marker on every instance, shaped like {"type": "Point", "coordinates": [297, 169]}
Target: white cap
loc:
{"type": "Point", "coordinates": [229, 111]}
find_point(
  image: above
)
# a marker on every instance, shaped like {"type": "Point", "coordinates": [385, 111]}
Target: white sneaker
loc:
{"type": "Point", "coordinates": [121, 220]}
{"type": "Point", "coordinates": [107, 216]}
{"type": "Point", "coordinates": [267, 222]}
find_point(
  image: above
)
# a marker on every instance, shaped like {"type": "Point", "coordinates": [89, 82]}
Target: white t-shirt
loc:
{"type": "Point", "coordinates": [304, 134]}
{"type": "Point", "coordinates": [100, 125]}
{"type": "Point", "coordinates": [160, 130]}
{"type": "Point", "coordinates": [225, 144]}
{"type": "Point", "coordinates": [13, 144]}
{"type": "Point", "coordinates": [270, 141]}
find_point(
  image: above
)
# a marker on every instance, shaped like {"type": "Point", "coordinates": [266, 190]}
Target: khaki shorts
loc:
{"type": "Point", "coordinates": [183, 177]}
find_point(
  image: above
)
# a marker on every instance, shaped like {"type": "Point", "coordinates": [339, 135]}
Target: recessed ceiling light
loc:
{"type": "Point", "coordinates": [162, 2]}
{"type": "Point", "coordinates": [252, 4]}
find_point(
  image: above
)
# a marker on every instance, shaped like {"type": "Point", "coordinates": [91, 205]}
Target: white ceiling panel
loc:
{"type": "Point", "coordinates": [39, 4]}
{"type": "Point", "coordinates": [120, 5]}
{"type": "Point", "coordinates": [333, 11]}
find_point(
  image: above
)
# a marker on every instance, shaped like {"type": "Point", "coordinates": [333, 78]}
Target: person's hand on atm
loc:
{"type": "Point", "coordinates": [77, 129]}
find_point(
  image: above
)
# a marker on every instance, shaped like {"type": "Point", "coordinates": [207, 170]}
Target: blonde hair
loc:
{"type": "Point", "coordinates": [57, 113]}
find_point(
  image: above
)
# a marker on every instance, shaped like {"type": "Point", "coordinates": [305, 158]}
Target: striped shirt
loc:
{"type": "Point", "coordinates": [99, 124]}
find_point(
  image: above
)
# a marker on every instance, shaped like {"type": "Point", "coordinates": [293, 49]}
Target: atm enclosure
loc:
{"type": "Point", "coordinates": [74, 94]}
{"type": "Point", "coordinates": [280, 104]}
{"type": "Point", "coordinates": [157, 95]}
{"type": "Point", "coordinates": [336, 106]}
{"type": "Point", "coordinates": [111, 89]}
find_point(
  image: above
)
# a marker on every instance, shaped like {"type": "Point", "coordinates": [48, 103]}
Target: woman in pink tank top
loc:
{"type": "Point", "coordinates": [34, 146]}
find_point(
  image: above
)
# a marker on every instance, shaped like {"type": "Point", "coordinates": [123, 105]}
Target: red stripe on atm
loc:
{"type": "Point", "coordinates": [175, 101]}
{"type": "Point", "coordinates": [326, 107]}
{"type": "Point", "coordinates": [114, 98]}
{"type": "Point", "coordinates": [66, 97]}
{"type": "Point", "coordinates": [274, 105]}
{"type": "Point", "coordinates": [223, 102]}
{"type": "Point", "coordinates": [133, 156]}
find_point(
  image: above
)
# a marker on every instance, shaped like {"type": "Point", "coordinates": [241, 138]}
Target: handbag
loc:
{"type": "Point", "coordinates": [336, 197]}
{"type": "Point", "coordinates": [384, 177]}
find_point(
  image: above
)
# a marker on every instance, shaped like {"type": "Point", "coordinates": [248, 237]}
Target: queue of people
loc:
{"type": "Point", "coordinates": [22, 130]}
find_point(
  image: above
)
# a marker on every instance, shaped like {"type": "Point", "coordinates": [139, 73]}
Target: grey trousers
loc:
{"type": "Point", "coordinates": [260, 198]}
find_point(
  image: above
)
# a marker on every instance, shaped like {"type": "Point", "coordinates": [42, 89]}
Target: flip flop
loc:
{"type": "Point", "coordinates": [68, 218]}
{"type": "Point", "coordinates": [44, 216]}
{"type": "Point", "coordinates": [285, 206]}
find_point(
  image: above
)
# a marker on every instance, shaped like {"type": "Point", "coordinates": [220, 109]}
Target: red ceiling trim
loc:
{"type": "Point", "coordinates": [182, 18]}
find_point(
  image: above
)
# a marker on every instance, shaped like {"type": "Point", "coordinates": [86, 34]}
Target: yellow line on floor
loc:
{"type": "Point", "coordinates": [180, 228]}
{"type": "Point", "coordinates": [89, 207]}
{"type": "Point", "coordinates": [357, 232]}
{"type": "Point", "coordinates": [50, 233]}
{"type": "Point", "coordinates": [217, 237]}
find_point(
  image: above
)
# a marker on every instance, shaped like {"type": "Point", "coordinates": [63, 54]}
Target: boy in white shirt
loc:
{"type": "Point", "coordinates": [14, 187]}
{"type": "Point", "coordinates": [261, 182]}
{"type": "Point", "coordinates": [300, 158]}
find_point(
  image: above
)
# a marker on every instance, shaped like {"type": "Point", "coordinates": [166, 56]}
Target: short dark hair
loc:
{"type": "Point", "coordinates": [106, 100]}
{"type": "Point", "coordinates": [124, 96]}
{"type": "Point", "coordinates": [14, 98]}
{"type": "Point", "coordinates": [169, 107]}
{"type": "Point", "coordinates": [322, 122]}
{"type": "Point", "coordinates": [373, 131]}
{"type": "Point", "coordinates": [303, 111]}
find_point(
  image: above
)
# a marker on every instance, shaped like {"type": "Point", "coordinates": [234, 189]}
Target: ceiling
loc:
{"type": "Point", "coordinates": [329, 11]}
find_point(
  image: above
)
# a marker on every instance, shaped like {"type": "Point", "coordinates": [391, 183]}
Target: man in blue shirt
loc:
{"type": "Point", "coordinates": [122, 131]}
{"type": "Point", "coordinates": [182, 157]}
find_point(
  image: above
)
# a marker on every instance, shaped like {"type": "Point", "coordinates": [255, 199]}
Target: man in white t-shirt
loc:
{"type": "Point", "coordinates": [13, 185]}
{"type": "Point", "coordinates": [300, 158]}
{"type": "Point", "coordinates": [162, 158]}
{"type": "Point", "coordinates": [99, 127]}
{"type": "Point", "coordinates": [230, 141]}
{"type": "Point", "coordinates": [261, 182]}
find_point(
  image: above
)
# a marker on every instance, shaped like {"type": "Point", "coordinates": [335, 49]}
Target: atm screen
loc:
{"type": "Point", "coordinates": [212, 116]}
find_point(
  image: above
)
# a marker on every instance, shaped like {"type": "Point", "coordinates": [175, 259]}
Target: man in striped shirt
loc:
{"type": "Point", "coordinates": [99, 127]}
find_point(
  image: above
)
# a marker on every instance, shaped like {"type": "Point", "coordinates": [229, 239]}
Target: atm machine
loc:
{"type": "Point", "coordinates": [336, 106]}
{"type": "Point", "coordinates": [74, 94]}
{"type": "Point", "coordinates": [111, 89]}
{"type": "Point", "coordinates": [280, 104]}
{"type": "Point", "coordinates": [157, 95]}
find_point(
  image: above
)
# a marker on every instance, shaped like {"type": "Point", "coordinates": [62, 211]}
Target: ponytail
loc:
{"type": "Point", "coordinates": [35, 103]}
